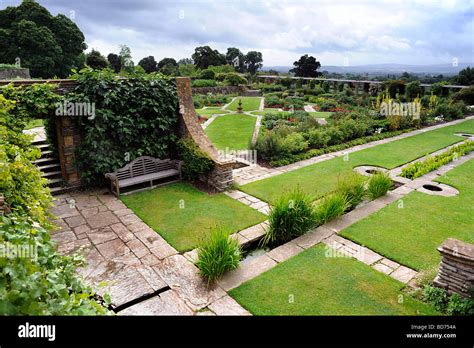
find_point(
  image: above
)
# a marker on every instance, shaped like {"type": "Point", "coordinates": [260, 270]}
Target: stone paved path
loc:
{"type": "Point", "coordinates": [132, 259]}
{"type": "Point", "coordinates": [250, 174]}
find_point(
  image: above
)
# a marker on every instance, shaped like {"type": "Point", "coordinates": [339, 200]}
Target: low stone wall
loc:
{"type": "Point", "coordinates": [456, 271]}
{"type": "Point", "coordinates": [14, 73]}
{"type": "Point", "coordinates": [220, 90]}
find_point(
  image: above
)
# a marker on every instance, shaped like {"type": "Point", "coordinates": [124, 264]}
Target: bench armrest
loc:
{"type": "Point", "coordinates": [111, 176]}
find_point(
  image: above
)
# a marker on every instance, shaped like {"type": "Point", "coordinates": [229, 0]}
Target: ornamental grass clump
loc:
{"type": "Point", "coordinates": [331, 207]}
{"type": "Point", "coordinates": [291, 216]}
{"type": "Point", "coordinates": [352, 186]}
{"type": "Point", "coordinates": [218, 254]}
{"type": "Point", "coordinates": [378, 185]}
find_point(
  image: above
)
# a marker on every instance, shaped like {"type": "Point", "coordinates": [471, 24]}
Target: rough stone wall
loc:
{"type": "Point", "coordinates": [221, 176]}
{"type": "Point", "coordinates": [14, 73]}
{"type": "Point", "coordinates": [456, 271]}
{"type": "Point", "coordinates": [68, 138]}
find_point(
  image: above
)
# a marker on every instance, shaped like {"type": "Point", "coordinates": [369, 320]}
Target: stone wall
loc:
{"type": "Point", "coordinates": [456, 271]}
{"type": "Point", "coordinates": [220, 90]}
{"type": "Point", "coordinates": [14, 73]}
{"type": "Point", "coordinates": [221, 176]}
{"type": "Point", "coordinates": [68, 138]}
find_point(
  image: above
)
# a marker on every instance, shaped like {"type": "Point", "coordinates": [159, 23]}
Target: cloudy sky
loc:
{"type": "Point", "coordinates": [336, 32]}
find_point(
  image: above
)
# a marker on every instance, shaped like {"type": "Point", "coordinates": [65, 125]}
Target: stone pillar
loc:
{"type": "Point", "coordinates": [221, 175]}
{"type": "Point", "coordinates": [68, 138]}
{"type": "Point", "coordinates": [456, 270]}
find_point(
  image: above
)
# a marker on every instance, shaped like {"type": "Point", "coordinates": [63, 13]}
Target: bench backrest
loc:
{"type": "Point", "coordinates": [144, 165]}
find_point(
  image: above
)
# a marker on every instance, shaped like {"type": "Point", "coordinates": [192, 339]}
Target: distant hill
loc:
{"type": "Point", "coordinates": [436, 69]}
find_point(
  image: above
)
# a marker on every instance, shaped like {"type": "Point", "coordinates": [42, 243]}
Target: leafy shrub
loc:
{"type": "Point", "coordinates": [272, 102]}
{"type": "Point", "coordinates": [204, 83]}
{"type": "Point", "coordinates": [47, 283]}
{"type": "Point", "coordinates": [133, 117]}
{"type": "Point", "coordinates": [352, 186]}
{"type": "Point", "coordinates": [234, 79]}
{"type": "Point", "coordinates": [218, 254]}
{"type": "Point", "coordinates": [335, 136]}
{"type": "Point", "coordinates": [413, 90]}
{"type": "Point", "coordinates": [465, 95]}
{"type": "Point", "coordinates": [430, 163]}
{"type": "Point", "coordinates": [291, 216]}
{"type": "Point", "coordinates": [318, 138]}
{"type": "Point", "coordinates": [196, 161]}
{"type": "Point", "coordinates": [326, 105]}
{"type": "Point", "coordinates": [207, 74]}
{"type": "Point", "coordinates": [395, 87]}
{"type": "Point", "coordinates": [378, 185]}
{"type": "Point", "coordinates": [448, 111]}
{"type": "Point", "coordinates": [294, 143]}
{"type": "Point", "coordinates": [293, 102]}
{"type": "Point", "coordinates": [450, 304]}
{"type": "Point", "coordinates": [331, 206]}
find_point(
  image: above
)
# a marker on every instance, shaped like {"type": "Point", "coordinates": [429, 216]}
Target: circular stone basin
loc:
{"type": "Point", "coordinates": [432, 188]}
{"type": "Point", "coordinates": [372, 171]}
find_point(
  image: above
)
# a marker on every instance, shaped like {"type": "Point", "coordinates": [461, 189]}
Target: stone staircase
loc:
{"type": "Point", "coordinates": [49, 165]}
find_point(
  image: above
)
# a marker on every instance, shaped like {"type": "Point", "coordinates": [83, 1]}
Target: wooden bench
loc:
{"type": "Point", "coordinates": [144, 169]}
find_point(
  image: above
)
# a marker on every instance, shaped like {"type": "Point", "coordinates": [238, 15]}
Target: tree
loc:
{"type": "Point", "coordinates": [306, 66]}
{"type": "Point", "coordinates": [96, 60]}
{"type": "Point", "coordinates": [114, 61]}
{"type": "Point", "coordinates": [166, 61]}
{"type": "Point", "coordinates": [31, 37]}
{"type": "Point", "coordinates": [253, 61]}
{"type": "Point", "coordinates": [183, 61]}
{"type": "Point", "coordinates": [148, 64]}
{"type": "Point", "coordinates": [187, 70]}
{"type": "Point", "coordinates": [204, 56]}
{"type": "Point", "coordinates": [126, 58]}
{"type": "Point", "coordinates": [465, 77]}
{"type": "Point", "coordinates": [236, 58]}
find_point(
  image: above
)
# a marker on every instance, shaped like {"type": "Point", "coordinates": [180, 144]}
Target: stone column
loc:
{"type": "Point", "coordinates": [221, 175]}
{"type": "Point", "coordinates": [68, 138]}
{"type": "Point", "coordinates": [456, 270]}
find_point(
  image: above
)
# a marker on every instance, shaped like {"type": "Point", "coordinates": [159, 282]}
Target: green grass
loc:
{"type": "Point", "coordinates": [34, 124]}
{"type": "Point", "coordinates": [211, 111]}
{"type": "Point", "coordinates": [320, 114]}
{"type": "Point", "coordinates": [313, 284]}
{"type": "Point", "coordinates": [269, 111]}
{"type": "Point", "coordinates": [233, 131]}
{"type": "Point", "coordinates": [321, 178]}
{"type": "Point", "coordinates": [410, 234]}
{"type": "Point", "coordinates": [248, 103]}
{"type": "Point", "coordinates": [184, 216]}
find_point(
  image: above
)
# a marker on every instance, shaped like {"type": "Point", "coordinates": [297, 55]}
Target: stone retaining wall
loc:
{"type": "Point", "coordinates": [456, 271]}
{"type": "Point", "coordinates": [14, 73]}
{"type": "Point", "coordinates": [240, 90]}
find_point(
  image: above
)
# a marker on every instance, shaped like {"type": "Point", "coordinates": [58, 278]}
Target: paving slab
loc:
{"type": "Point", "coordinates": [166, 303]}
{"type": "Point", "coordinates": [403, 274]}
{"type": "Point", "coordinates": [285, 251]}
{"type": "Point", "coordinates": [102, 219]}
{"type": "Point", "coordinates": [312, 238]}
{"type": "Point", "coordinates": [226, 305]}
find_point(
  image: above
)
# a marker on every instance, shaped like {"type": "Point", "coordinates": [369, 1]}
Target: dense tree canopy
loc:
{"type": "Point", "coordinates": [96, 60]}
{"type": "Point", "coordinates": [236, 58]}
{"type": "Point", "coordinates": [306, 66]}
{"type": "Point", "coordinates": [204, 56]}
{"type": "Point", "coordinates": [465, 77]}
{"type": "Point", "coordinates": [148, 64]}
{"type": "Point", "coordinates": [30, 36]}
{"type": "Point", "coordinates": [253, 61]}
{"type": "Point", "coordinates": [114, 61]}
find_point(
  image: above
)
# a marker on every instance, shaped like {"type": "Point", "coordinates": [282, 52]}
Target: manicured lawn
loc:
{"type": "Point", "coordinates": [232, 131]}
{"type": "Point", "coordinates": [34, 124]}
{"type": "Point", "coordinates": [211, 111]}
{"type": "Point", "coordinates": [320, 114]}
{"type": "Point", "coordinates": [183, 215]}
{"type": "Point", "coordinates": [269, 111]}
{"type": "Point", "coordinates": [320, 178]}
{"type": "Point", "coordinates": [313, 284]}
{"type": "Point", "coordinates": [248, 103]}
{"type": "Point", "coordinates": [410, 235]}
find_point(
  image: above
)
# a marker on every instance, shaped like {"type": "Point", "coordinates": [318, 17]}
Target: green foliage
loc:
{"type": "Point", "coordinates": [36, 280]}
{"type": "Point", "coordinates": [218, 254]}
{"type": "Point", "coordinates": [465, 95]}
{"type": "Point", "coordinates": [8, 66]}
{"type": "Point", "coordinates": [430, 163]}
{"type": "Point", "coordinates": [49, 46]}
{"type": "Point", "coordinates": [204, 56]}
{"type": "Point", "coordinates": [196, 161]}
{"type": "Point", "coordinates": [133, 117]}
{"type": "Point", "coordinates": [465, 77]}
{"type": "Point", "coordinates": [352, 186]}
{"type": "Point", "coordinates": [234, 79]}
{"type": "Point", "coordinates": [95, 60]}
{"type": "Point", "coordinates": [448, 111]}
{"type": "Point", "coordinates": [449, 304]}
{"type": "Point", "coordinates": [291, 216]}
{"type": "Point", "coordinates": [306, 66]}
{"type": "Point", "coordinates": [253, 61]}
{"type": "Point", "coordinates": [379, 184]}
{"type": "Point", "coordinates": [207, 74]}
{"type": "Point", "coordinates": [204, 83]}
{"type": "Point", "coordinates": [331, 206]}
{"type": "Point", "coordinates": [201, 100]}
{"type": "Point", "coordinates": [413, 90]}
{"type": "Point", "coordinates": [149, 64]}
